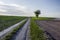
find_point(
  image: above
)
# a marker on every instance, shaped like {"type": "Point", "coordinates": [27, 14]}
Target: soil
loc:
{"type": "Point", "coordinates": [51, 28]}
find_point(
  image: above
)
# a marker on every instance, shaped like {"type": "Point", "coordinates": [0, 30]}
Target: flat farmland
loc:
{"type": "Point", "coordinates": [29, 28]}
{"type": "Point", "coordinates": [50, 26]}
{"type": "Point", "coordinates": [6, 21]}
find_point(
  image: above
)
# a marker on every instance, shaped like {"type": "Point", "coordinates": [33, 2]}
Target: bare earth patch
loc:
{"type": "Point", "coordinates": [52, 27]}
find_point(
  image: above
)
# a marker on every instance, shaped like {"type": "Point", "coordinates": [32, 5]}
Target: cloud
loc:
{"type": "Point", "coordinates": [1, 10]}
{"type": "Point", "coordinates": [13, 9]}
{"type": "Point", "coordinates": [2, 3]}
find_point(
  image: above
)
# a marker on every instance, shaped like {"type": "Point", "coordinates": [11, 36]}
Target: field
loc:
{"type": "Point", "coordinates": [6, 21]}
{"type": "Point", "coordinates": [51, 27]}
{"type": "Point", "coordinates": [29, 28]}
{"type": "Point", "coordinates": [43, 18]}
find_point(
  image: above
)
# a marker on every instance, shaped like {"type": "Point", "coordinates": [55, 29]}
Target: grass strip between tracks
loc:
{"type": "Point", "coordinates": [35, 32]}
{"type": "Point", "coordinates": [8, 37]}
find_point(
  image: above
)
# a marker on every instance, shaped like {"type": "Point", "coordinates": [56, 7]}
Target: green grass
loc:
{"type": "Point", "coordinates": [35, 32]}
{"type": "Point", "coordinates": [43, 18]}
{"type": "Point", "coordinates": [6, 21]}
{"type": "Point", "coordinates": [9, 36]}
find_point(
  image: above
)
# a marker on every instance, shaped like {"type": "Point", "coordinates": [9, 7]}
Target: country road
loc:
{"type": "Point", "coordinates": [22, 34]}
{"type": "Point", "coordinates": [6, 31]}
{"type": "Point", "coordinates": [52, 27]}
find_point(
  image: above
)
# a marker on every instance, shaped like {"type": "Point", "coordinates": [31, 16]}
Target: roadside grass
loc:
{"type": "Point", "coordinates": [10, 35]}
{"type": "Point", "coordinates": [35, 32]}
{"type": "Point", "coordinates": [6, 21]}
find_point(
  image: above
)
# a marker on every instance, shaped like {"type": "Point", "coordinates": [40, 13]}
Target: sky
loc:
{"type": "Point", "coordinates": [48, 8]}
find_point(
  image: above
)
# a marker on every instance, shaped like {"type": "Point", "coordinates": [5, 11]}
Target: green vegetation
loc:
{"type": "Point", "coordinates": [6, 21]}
{"type": "Point", "coordinates": [9, 36]}
{"type": "Point", "coordinates": [35, 32]}
{"type": "Point", "coordinates": [37, 12]}
{"type": "Point", "coordinates": [43, 18]}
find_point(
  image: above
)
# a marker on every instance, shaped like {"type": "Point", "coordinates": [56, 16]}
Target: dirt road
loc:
{"type": "Point", "coordinates": [52, 27]}
{"type": "Point", "coordinates": [6, 31]}
{"type": "Point", "coordinates": [22, 33]}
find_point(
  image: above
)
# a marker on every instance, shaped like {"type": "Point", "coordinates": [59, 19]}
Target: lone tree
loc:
{"type": "Point", "coordinates": [37, 12]}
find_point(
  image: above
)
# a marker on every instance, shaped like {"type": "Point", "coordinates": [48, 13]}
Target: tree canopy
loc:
{"type": "Point", "coordinates": [37, 12]}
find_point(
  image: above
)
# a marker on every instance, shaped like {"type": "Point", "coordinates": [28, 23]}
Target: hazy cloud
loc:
{"type": "Point", "coordinates": [49, 8]}
{"type": "Point", "coordinates": [13, 9]}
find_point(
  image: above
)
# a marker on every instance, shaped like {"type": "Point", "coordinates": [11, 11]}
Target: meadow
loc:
{"type": "Point", "coordinates": [7, 21]}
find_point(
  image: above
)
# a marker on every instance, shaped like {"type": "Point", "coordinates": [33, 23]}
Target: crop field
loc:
{"type": "Point", "coordinates": [50, 26]}
{"type": "Point", "coordinates": [43, 18]}
{"type": "Point", "coordinates": [6, 21]}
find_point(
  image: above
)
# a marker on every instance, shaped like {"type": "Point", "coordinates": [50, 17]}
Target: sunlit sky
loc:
{"type": "Point", "coordinates": [48, 8]}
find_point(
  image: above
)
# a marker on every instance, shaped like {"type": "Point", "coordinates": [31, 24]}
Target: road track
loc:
{"type": "Point", "coordinates": [22, 34]}
{"type": "Point", "coordinates": [8, 30]}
